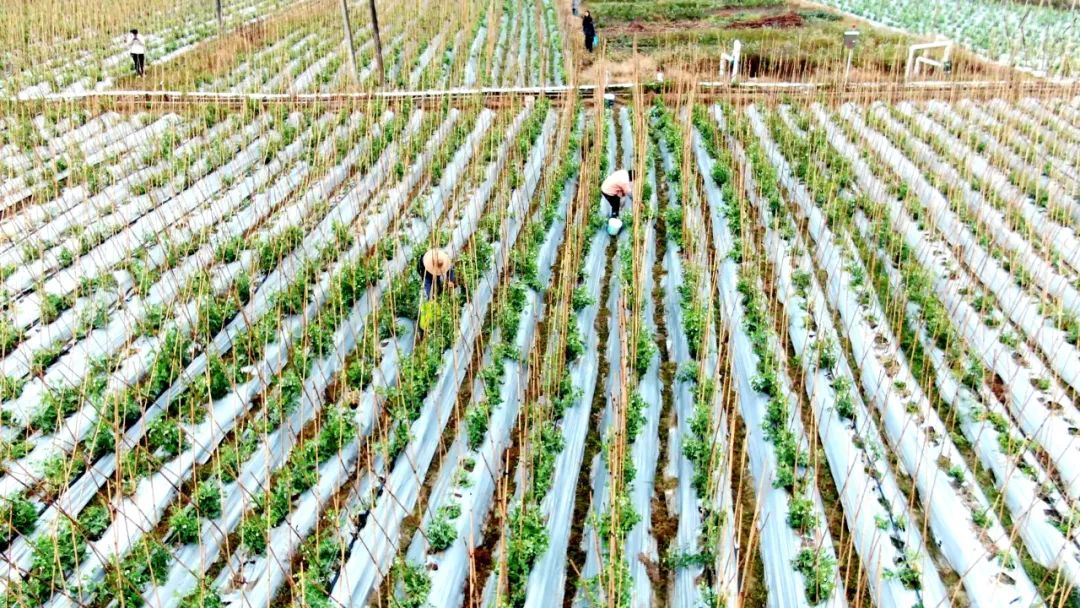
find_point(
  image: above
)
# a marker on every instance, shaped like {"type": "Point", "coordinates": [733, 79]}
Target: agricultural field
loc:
{"type": "Point", "coordinates": [53, 46]}
{"type": "Point", "coordinates": [515, 43]}
{"type": "Point", "coordinates": [297, 46]}
{"type": "Point", "coordinates": [830, 360]}
{"type": "Point", "coordinates": [782, 40]}
{"type": "Point", "coordinates": [1031, 34]}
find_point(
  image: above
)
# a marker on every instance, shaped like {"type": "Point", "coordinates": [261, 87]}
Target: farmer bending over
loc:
{"type": "Point", "coordinates": [437, 275]}
{"type": "Point", "coordinates": [618, 185]}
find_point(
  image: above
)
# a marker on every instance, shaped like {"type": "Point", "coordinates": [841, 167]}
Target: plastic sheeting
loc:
{"type": "Point", "coordinates": [645, 451]}
{"type": "Point", "coordinates": [194, 560]}
{"type": "Point", "coordinates": [981, 124]}
{"type": "Point", "coordinates": [1062, 239]}
{"type": "Point", "coordinates": [613, 391]}
{"type": "Point", "coordinates": [114, 140]}
{"type": "Point", "coordinates": [1050, 146]}
{"type": "Point", "coordinates": [686, 500]}
{"type": "Point", "coordinates": [474, 55]}
{"type": "Point", "coordinates": [1048, 428]}
{"type": "Point", "coordinates": [376, 546]}
{"type": "Point", "coordinates": [449, 568]}
{"type": "Point", "coordinates": [779, 544]}
{"type": "Point", "coordinates": [1048, 277]}
{"type": "Point", "coordinates": [434, 46]}
{"type": "Point", "coordinates": [53, 220]}
{"type": "Point", "coordinates": [135, 515]}
{"type": "Point", "coordinates": [873, 505]}
{"type": "Point", "coordinates": [923, 444]}
{"type": "Point", "coordinates": [72, 368]}
{"type": "Point", "coordinates": [547, 579]}
{"type": "Point", "coordinates": [117, 248]}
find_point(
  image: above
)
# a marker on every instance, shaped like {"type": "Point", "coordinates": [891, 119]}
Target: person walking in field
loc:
{"type": "Point", "coordinates": [436, 271]}
{"type": "Point", "coordinates": [138, 52]}
{"type": "Point", "coordinates": [589, 29]}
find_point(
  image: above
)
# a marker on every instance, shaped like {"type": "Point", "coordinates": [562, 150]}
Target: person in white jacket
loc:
{"type": "Point", "coordinates": [138, 52]}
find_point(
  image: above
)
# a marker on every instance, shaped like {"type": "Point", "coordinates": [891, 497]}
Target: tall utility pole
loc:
{"type": "Point", "coordinates": [220, 20]}
{"type": "Point", "coordinates": [348, 40]}
{"type": "Point", "coordinates": [378, 41]}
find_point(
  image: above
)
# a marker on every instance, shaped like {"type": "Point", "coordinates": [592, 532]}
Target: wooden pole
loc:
{"type": "Point", "coordinates": [220, 19]}
{"type": "Point", "coordinates": [378, 41]}
{"type": "Point", "coordinates": [349, 41]}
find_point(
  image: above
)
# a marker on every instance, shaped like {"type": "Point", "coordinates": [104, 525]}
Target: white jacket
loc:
{"type": "Point", "coordinates": [136, 45]}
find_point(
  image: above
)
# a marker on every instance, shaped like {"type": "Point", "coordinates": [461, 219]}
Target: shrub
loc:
{"type": "Point", "coordinates": [819, 570]}
{"type": "Point", "coordinates": [10, 336]}
{"type": "Point", "coordinates": [58, 404]}
{"type": "Point", "coordinates": [54, 555]}
{"type": "Point", "coordinates": [440, 532]}
{"type": "Point", "coordinates": [826, 355]}
{"type": "Point", "coordinates": [203, 597]}
{"type": "Point", "coordinates": [581, 298]}
{"type": "Point", "coordinates": [207, 500]}
{"type": "Point", "coordinates": [185, 525]}
{"type": "Point", "coordinates": [164, 434]}
{"type": "Point", "coordinates": [253, 534]}
{"type": "Point", "coordinates": [415, 584]}
{"type": "Point", "coordinates": [801, 514]}
{"type": "Point", "coordinates": [94, 521]}
{"type": "Point", "coordinates": [18, 516]}
{"type": "Point", "coordinates": [980, 518]}
{"type": "Point", "coordinates": [476, 423]}
{"type": "Point", "coordinates": [575, 346]}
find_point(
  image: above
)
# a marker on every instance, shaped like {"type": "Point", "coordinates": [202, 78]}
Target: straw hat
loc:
{"type": "Point", "coordinates": [437, 262]}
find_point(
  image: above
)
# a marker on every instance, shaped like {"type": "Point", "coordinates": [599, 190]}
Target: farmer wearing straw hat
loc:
{"type": "Point", "coordinates": [436, 272]}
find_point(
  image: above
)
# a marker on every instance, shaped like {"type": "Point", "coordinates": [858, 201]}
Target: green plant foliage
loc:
{"type": "Point", "coordinates": [17, 516]}
{"type": "Point", "coordinates": [440, 532]}
{"type": "Point", "coordinates": [184, 524]}
{"type": "Point", "coordinates": [413, 583]}
{"type": "Point", "coordinates": [528, 541]}
{"type": "Point", "coordinates": [207, 500]}
{"type": "Point", "coordinates": [819, 570]}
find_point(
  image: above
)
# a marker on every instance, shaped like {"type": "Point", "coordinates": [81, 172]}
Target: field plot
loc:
{"type": "Point", "coordinates": [781, 40]}
{"type": "Point", "coordinates": [830, 360]}
{"type": "Point", "coordinates": [54, 47]}
{"type": "Point", "coordinates": [449, 44]}
{"type": "Point", "coordinates": [285, 46]}
{"type": "Point", "coordinates": [1039, 36]}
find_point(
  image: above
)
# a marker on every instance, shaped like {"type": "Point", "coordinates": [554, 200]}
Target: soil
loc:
{"type": "Point", "coordinates": [656, 27]}
{"type": "Point", "coordinates": [785, 20]}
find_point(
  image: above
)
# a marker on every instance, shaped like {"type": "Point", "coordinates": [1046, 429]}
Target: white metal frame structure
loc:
{"type": "Point", "coordinates": [731, 59]}
{"type": "Point", "coordinates": [920, 55]}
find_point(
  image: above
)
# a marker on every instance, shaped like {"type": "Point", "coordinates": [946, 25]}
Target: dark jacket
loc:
{"type": "Point", "coordinates": [587, 26]}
